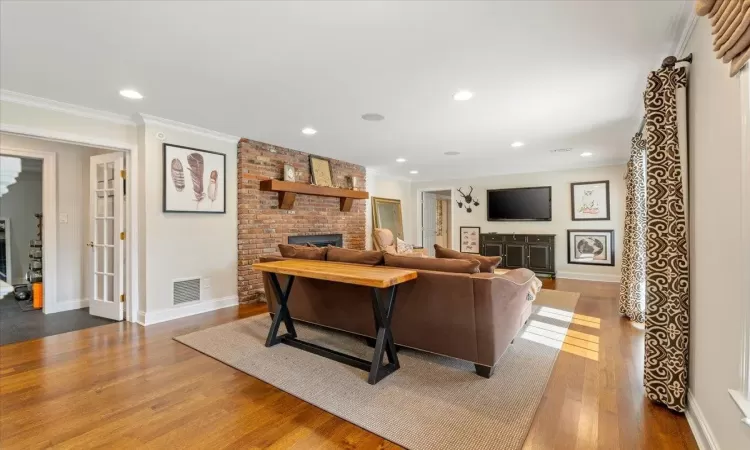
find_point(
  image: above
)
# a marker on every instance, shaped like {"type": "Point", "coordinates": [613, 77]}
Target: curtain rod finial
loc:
{"type": "Point", "coordinates": [670, 61]}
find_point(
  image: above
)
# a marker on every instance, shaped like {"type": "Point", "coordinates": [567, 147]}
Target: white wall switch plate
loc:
{"type": "Point", "coordinates": [63, 217]}
{"type": "Point", "coordinates": [206, 284]}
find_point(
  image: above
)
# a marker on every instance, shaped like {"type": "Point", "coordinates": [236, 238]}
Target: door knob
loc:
{"type": "Point", "coordinates": [90, 244]}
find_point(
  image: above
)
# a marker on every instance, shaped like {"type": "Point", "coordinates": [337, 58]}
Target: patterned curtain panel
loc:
{"type": "Point", "coordinates": [667, 277]}
{"type": "Point", "coordinates": [633, 284]}
{"type": "Point", "coordinates": [730, 23]}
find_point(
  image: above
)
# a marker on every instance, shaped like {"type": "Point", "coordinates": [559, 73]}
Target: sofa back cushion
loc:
{"type": "Point", "coordinates": [346, 255]}
{"type": "Point", "coordinates": [486, 263]}
{"type": "Point", "coordinates": [436, 264]}
{"type": "Point", "coordinates": [303, 252]}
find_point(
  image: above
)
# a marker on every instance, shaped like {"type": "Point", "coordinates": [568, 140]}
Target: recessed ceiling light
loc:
{"type": "Point", "coordinates": [462, 95]}
{"type": "Point", "coordinates": [129, 93]}
{"type": "Point", "coordinates": [413, 172]}
{"type": "Point", "coordinates": [586, 154]}
{"type": "Point", "coordinates": [517, 144]}
{"type": "Point", "coordinates": [309, 131]}
{"type": "Point", "coordinates": [452, 153]}
{"type": "Point", "coordinates": [373, 117]}
{"type": "Point", "coordinates": [400, 160]}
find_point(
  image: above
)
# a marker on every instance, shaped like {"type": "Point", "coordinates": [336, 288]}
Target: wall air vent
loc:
{"type": "Point", "coordinates": [186, 291]}
{"type": "Point", "coordinates": [561, 150]}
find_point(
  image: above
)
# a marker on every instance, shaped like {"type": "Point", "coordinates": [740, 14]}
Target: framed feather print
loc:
{"type": "Point", "coordinates": [194, 180]}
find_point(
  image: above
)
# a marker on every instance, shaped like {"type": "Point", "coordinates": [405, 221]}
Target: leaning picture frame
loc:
{"type": "Point", "coordinates": [320, 171]}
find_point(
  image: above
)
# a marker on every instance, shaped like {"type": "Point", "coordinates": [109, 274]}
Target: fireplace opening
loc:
{"type": "Point", "coordinates": [319, 240]}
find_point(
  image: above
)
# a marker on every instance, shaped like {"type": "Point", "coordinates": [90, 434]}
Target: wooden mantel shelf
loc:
{"type": "Point", "coordinates": [288, 193]}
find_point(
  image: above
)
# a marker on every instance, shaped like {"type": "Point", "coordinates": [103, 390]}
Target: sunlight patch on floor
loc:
{"type": "Point", "coordinates": [567, 316]}
{"type": "Point", "coordinates": [570, 341]}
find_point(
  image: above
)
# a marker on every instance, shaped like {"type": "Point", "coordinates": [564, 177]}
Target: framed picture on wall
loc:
{"type": "Point", "coordinates": [194, 180]}
{"type": "Point", "coordinates": [591, 247]}
{"type": "Point", "coordinates": [590, 200]}
{"type": "Point", "coordinates": [469, 239]}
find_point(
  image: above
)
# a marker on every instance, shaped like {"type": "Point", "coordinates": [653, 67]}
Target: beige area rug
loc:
{"type": "Point", "coordinates": [432, 402]}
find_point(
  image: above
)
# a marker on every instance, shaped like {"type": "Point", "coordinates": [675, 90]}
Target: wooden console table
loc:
{"type": "Point", "coordinates": [375, 277]}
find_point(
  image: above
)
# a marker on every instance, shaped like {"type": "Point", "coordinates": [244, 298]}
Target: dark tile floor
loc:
{"type": "Point", "coordinates": [17, 326]}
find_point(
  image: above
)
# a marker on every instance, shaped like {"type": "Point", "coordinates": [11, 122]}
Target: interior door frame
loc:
{"type": "Point", "coordinates": [8, 268]}
{"type": "Point", "coordinates": [49, 209]}
{"type": "Point", "coordinates": [453, 225]}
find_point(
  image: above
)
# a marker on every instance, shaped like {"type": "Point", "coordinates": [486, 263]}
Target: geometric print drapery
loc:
{"type": "Point", "coordinates": [667, 267]}
{"type": "Point", "coordinates": [633, 282]}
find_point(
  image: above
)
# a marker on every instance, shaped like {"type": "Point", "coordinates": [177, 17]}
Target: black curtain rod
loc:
{"type": "Point", "coordinates": [669, 61]}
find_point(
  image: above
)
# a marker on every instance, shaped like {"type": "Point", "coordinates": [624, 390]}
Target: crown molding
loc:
{"type": "Point", "coordinates": [146, 119]}
{"type": "Point", "coordinates": [68, 108]}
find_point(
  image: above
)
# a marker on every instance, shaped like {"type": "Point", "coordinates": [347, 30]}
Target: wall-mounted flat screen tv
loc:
{"type": "Point", "coordinates": [533, 203]}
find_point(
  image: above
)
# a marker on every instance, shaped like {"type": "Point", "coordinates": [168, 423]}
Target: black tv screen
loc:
{"type": "Point", "coordinates": [534, 203]}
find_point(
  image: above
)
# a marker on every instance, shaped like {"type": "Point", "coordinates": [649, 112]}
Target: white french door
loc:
{"type": "Point", "coordinates": [107, 227]}
{"type": "Point", "coordinates": [429, 221]}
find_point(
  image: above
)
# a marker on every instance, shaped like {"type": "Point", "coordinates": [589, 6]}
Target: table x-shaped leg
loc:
{"type": "Point", "coordinates": [384, 338]}
{"type": "Point", "coordinates": [282, 312]}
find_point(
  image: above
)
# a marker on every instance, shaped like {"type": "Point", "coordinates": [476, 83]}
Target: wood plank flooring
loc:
{"type": "Point", "coordinates": [125, 386]}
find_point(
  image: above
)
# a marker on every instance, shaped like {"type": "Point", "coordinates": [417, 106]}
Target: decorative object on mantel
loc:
{"type": "Point", "coordinates": [469, 239]}
{"type": "Point", "coordinates": [386, 213]}
{"type": "Point", "coordinates": [288, 193]}
{"type": "Point", "coordinates": [730, 29]}
{"type": "Point", "coordinates": [591, 247]}
{"type": "Point", "coordinates": [351, 182]}
{"type": "Point", "coordinates": [290, 174]}
{"type": "Point", "coordinates": [589, 200]}
{"type": "Point", "coordinates": [468, 199]}
{"type": "Point", "coordinates": [320, 172]}
{"type": "Point", "coordinates": [202, 172]}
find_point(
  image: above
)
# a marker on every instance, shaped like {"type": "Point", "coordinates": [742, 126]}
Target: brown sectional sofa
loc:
{"type": "Point", "coordinates": [473, 317]}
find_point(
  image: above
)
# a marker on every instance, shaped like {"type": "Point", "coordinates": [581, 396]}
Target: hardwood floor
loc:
{"type": "Point", "coordinates": [123, 385]}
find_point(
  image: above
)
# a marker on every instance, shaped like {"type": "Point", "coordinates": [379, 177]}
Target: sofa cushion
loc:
{"type": "Point", "coordinates": [354, 256]}
{"type": "Point", "coordinates": [486, 263]}
{"type": "Point", "coordinates": [436, 264]}
{"type": "Point", "coordinates": [303, 251]}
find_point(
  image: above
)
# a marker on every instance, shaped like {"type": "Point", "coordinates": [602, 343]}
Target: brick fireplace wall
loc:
{"type": "Point", "coordinates": [262, 225]}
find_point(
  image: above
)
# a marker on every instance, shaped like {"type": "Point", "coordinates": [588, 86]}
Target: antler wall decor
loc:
{"type": "Point", "coordinates": [468, 199]}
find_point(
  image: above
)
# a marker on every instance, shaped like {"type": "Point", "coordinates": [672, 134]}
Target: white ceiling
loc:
{"type": "Point", "coordinates": [551, 74]}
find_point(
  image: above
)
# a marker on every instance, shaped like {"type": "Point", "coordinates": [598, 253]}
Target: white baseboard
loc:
{"type": "Point", "coordinates": [702, 432]}
{"type": "Point", "coordinates": [67, 306]}
{"type": "Point", "coordinates": [162, 315]}
{"type": "Point", "coordinates": [608, 278]}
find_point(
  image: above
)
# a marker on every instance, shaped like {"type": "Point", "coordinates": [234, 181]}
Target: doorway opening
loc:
{"type": "Point", "coordinates": [437, 220]}
{"type": "Point", "coordinates": [61, 228]}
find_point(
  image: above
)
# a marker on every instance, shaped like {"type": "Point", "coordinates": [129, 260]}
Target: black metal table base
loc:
{"type": "Point", "coordinates": [383, 343]}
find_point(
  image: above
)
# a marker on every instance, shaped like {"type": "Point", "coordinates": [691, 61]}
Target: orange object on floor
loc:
{"type": "Point", "coordinates": [37, 290]}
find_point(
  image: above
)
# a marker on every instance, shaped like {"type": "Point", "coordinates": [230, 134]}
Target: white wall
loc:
{"type": "Point", "coordinates": [715, 295]}
{"type": "Point", "coordinates": [18, 205]}
{"type": "Point", "coordinates": [73, 257]}
{"type": "Point", "coordinates": [382, 186]}
{"type": "Point", "coordinates": [184, 245]}
{"type": "Point", "coordinates": [561, 215]}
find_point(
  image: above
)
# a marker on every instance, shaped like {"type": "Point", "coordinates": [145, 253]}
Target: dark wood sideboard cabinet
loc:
{"type": "Point", "coordinates": [535, 252]}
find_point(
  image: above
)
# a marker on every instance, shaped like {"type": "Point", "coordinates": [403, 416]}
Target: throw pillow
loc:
{"type": "Point", "coordinates": [346, 255]}
{"type": "Point", "coordinates": [486, 263]}
{"type": "Point", "coordinates": [438, 265]}
{"type": "Point", "coordinates": [403, 247]}
{"type": "Point", "coordinates": [303, 252]}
